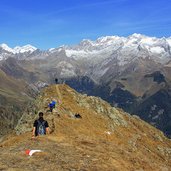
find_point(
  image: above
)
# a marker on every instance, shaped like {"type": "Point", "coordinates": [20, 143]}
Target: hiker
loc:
{"type": "Point", "coordinates": [56, 80]}
{"type": "Point", "coordinates": [52, 105]}
{"type": "Point", "coordinates": [40, 126]}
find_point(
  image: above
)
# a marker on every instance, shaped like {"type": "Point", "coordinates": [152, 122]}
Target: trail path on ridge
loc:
{"type": "Point", "coordinates": [58, 92]}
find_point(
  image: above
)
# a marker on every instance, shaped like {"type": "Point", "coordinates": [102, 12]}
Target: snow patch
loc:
{"type": "Point", "coordinates": [102, 72]}
{"type": "Point", "coordinates": [169, 41]}
{"type": "Point", "coordinates": [148, 41]}
{"type": "Point", "coordinates": [153, 107]}
{"type": "Point", "coordinates": [67, 73]}
{"type": "Point", "coordinates": [1, 58]}
{"type": "Point", "coordinates": [64, 64]}
{"type": "Point", "coordinates": [160, 112]}
{"type": "Point", "coordinates": [51, 49]}
{"type": "Point", "coordinates": [67, 69]}
{"type": "Point", "coordinates": [75, 53]}
{"type": "Point", "coordinates": [157, 50]}
{"type": "Point", "coordinates": [60, 49]}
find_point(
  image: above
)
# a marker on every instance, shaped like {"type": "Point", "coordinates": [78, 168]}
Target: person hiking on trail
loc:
{"type": "Point", "coordinates": [52, 105]}
{"type": "Point", "coordinates": [56, 80]}
{"type": "Point", "coordinates": [40, 126]}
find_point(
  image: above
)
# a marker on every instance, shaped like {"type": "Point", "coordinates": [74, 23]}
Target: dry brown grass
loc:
{"type": "Point", "coordinates": [83, 144]}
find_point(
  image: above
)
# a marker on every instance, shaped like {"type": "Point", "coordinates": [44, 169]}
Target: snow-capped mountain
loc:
{"type": "Point", "coordinates": [6, 51]}
{"type": "Point", "coordinates": [6, 48]}
{"type": "Point", "coordinates": [23, 49]}
{"type": "Point", "coordinates": [101, 55]}
{"type": "Point", "coordinates": [126, 48]}
{"type": "Point", "coordinates": [18, 49]}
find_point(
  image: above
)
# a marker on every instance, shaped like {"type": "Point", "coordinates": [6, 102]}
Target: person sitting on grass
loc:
{"type": "Point", "coordinates": [40, 126]}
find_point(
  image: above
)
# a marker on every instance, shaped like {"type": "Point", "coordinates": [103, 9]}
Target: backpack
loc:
{"type": "Point", "coordinates": [53, 102]}
{"type": "Point", "coordinates": [41, 130]}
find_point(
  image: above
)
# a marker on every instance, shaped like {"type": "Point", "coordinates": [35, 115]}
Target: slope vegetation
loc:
{"type": "Point", "coordinates": [104, 138]}
{"type": "Point", "coordinates": [14, 95]}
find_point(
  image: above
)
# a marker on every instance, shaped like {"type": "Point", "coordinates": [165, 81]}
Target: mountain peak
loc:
{"type": "Point", "coordinates": [6, 47]}
{"type": "Point", "coordinates": [137, 35]}
{"type": "Point", "coordinates": [18, 49]}
{"type": "Point", "coordinates": [25, 48]}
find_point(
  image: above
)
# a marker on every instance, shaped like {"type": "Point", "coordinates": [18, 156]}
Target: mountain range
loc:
{"type": "Point", "coordinates": [132, 73]}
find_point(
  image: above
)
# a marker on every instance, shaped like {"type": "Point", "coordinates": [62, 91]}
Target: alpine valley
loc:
{"type": "Point", "coordinates": [132, 73]}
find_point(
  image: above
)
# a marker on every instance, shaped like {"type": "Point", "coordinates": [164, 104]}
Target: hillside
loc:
{"type": "Point", "coordinates": [104, 138]}
{"type": "Point", "coordinates": [15, 94]}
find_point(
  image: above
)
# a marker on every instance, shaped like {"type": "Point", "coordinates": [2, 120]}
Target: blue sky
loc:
{"type": "Point", "coordinates": [51, 23]}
